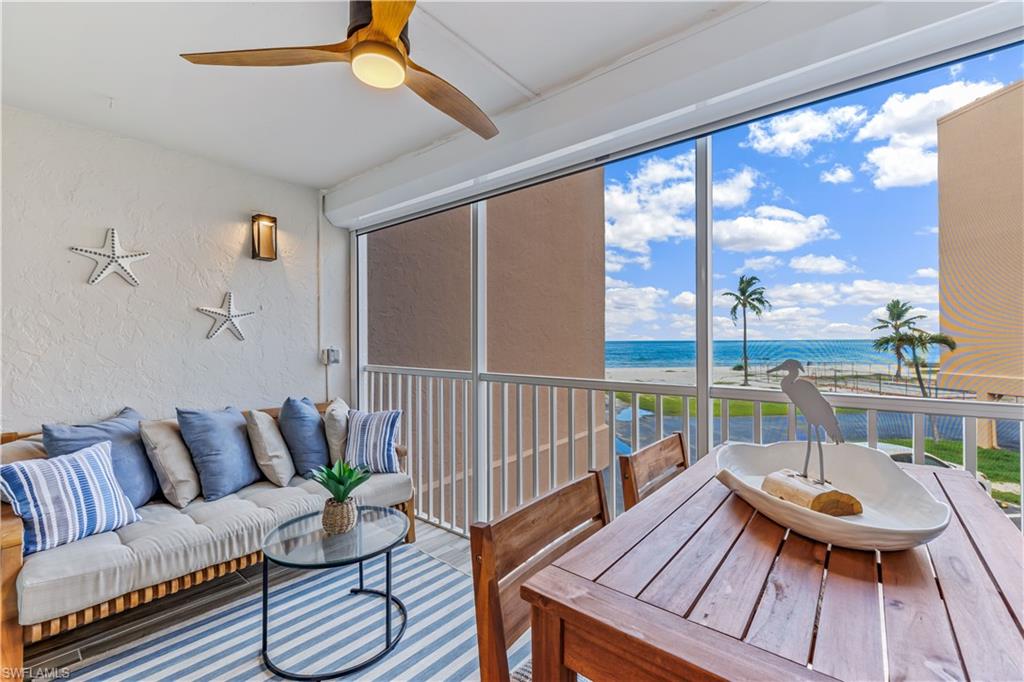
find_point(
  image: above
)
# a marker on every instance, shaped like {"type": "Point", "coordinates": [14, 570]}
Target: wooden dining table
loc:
{"type": "Point", "coordinates": [693, 583]}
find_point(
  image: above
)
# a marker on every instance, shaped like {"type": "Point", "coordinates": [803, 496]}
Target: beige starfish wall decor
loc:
{"type": "Point", "coordinates": [111, 257]}
{"type": "Point", "coordinates": [225, 316]}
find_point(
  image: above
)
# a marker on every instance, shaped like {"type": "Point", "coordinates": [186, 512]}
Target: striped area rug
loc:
{"type": "Point", "coordinates": [315, 626]}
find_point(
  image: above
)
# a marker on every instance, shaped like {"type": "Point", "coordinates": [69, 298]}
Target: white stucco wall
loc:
{"type": "Point", "coordinates": [72, 351]}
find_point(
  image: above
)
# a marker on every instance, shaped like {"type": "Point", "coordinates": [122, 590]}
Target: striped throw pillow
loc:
{"type": "Point", "coordinates": [371, 440]}
{"type": "Point", "coordinates": [66, 498]}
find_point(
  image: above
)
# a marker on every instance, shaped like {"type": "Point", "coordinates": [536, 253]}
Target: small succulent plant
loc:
{"type": "Point", "coordinates": [341, 479]}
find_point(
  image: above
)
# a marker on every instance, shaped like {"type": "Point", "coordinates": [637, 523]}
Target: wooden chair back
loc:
{"type": "Point", "coordinates": [507, 551]}
{"type": "Point", "coordinates": [651, 467]}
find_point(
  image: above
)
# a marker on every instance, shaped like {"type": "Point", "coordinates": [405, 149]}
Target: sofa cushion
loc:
{"type": "Point", "coordinates": [336, 428]}
{"type": "Point", "coordinates": [219, 443]}
{"type": "Point", "coordinates": [131, 465]}
{"type": "Point", "coordinates": [303, 430]}
{"type": "Point", "coordinates": [68, 498]}
{"type": "Point", "coordinates": [371, 440]}
{"type": "Point", "coordinates": [167, 543]}
{"type": "Point", "coordinates": [269, 448]}
{"type": "Point", "coordinates": [23, 449]}
{"type": "Point", "coordinates": [381, 490]}
{"type": "Point", "coordinates": [171, 460]}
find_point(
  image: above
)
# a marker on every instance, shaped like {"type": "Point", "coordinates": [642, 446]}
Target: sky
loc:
{"type": "Point", "coordinates": [834, 206]}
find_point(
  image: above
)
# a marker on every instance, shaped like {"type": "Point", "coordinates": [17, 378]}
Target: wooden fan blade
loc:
{"type": "Point", "coordinates": [389, 17]}
{"type": "Point", "coordinates": [275, 56]}
{"type": "Point", "coordinates": [444, 96]}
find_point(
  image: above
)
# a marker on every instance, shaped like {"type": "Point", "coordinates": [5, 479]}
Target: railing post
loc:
{"type": "Point", "coordinates": [918, 437]}
{"type": "Point", "coordinates": [970, 439]}
{"type": "Point", "coordinates": [357, 320]}
{"type": "Point", "coordinates": [704, 302]}
{"type": "Point", "coordinates": [478, 350]}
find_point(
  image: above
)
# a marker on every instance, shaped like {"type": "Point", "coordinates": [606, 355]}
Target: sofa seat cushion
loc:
{"type": "Point", "coordinates": [381, 490]}
{"type": "Point", "coordinates": [167, 543]}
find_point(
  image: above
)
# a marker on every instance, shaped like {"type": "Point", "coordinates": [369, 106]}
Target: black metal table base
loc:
{"type": "Point", "coordinates": [390, 639]}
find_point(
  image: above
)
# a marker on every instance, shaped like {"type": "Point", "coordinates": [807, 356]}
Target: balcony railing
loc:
{"type": "Point", "coordinates": [537, 432]}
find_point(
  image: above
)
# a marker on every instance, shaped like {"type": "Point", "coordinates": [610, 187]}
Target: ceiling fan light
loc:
{"type": "Point", "coordinates": [378, 65]}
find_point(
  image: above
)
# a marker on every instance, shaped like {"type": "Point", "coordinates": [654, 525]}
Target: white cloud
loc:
{"type": "Point", "coordinates": [735, 190]}
{"type": "Point", "coordinates": [758, 264]}
{"type": "Point", "coordinates": [818, 293]}
{"type": "Point", "coordinates": [927, 230]}
{"type": "Point", "coordinates": [686, 325]}
{"type": "Point", "coordinates": [627, 305]}
{"type": "Point", "coordinates": [837, 175]}
{"type": "Point", "coordinates": [792, 134]}
{"type": "Point", "coordinates": [771, 228]}
{"type": "Point", "coordinates": [612, 283]}
{"type": "Point", "coordinates": [956, 69]}
{"type": "Point", "coordinates": [685, 299]}
{"type": "Point", "coordinates": [823, 265]}
{"type": "Point", "coordinates": [656, 204]}
{"type": "Point", "coordinates": [908, 124]}
{"type": "Point", "coordinates": [926, 273]}
{"type": "Point", "coordinates": [615, 261]}
{"type": "Point", "coordinates": [878, 292]}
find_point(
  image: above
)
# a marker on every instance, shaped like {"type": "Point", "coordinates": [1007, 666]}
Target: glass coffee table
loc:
{"type": "Point", "coordinates": [302, 543]}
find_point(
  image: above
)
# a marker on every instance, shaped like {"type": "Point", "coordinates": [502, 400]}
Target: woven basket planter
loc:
{"type": "Point", "coordinates": [340, 517]}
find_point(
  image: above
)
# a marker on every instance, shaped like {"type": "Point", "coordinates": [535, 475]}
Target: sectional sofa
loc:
{"type": "Point", "coordinates": [169, 550]}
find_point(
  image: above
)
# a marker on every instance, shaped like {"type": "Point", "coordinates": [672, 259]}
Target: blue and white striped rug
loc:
{"type": "Point", "coordinates": [315, 626]}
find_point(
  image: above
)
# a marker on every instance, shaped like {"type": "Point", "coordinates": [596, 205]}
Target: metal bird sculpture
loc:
{"type": "Point", "coordinates": [816, 410]}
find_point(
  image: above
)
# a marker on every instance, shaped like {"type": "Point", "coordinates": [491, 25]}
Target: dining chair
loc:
{"type": "Point", "coordinates": [649, 468]}
{"type": "Point", "coordinates": [513, 547]}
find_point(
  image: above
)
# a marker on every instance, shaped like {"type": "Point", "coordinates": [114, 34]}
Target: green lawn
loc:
{"type": "Point", "coordinates": [672, 406]}
{"type": "Point", "coordinates": [999, 465]}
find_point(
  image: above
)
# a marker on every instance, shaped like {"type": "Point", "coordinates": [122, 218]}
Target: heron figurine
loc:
{"type": "Point", "coordinates": [816, 410]}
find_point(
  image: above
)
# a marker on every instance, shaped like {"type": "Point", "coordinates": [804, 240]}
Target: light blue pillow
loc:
{"type": "Point", "coordinates": [66, 498]}
{"type": "Point", "coordinates": [303, 430]}
{"type": "Point", "coordinates": [371, 440]}
{"type": "Point", "coordinates": [219, 443]}
{"type": "Point", "coordinates": [132, 467]}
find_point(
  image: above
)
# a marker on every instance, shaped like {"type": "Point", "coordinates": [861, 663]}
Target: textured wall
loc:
{"type": "Point", "coordinates": [72, 351]}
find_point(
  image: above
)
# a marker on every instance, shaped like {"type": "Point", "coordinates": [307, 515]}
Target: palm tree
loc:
{"type": "Point", "coordinates": [897, 322]}
{"type": "Point", "coordinates": [920, 343]}
{"type": "Point", "coordinates": [748, 295]}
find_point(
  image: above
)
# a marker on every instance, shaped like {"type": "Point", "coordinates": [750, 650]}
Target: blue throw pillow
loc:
{"type": "Point", "coordinates": [131, 465]}
{"type": "Point", "coordinates": [66, 498]}
{"type": "Point", "coordinates": [219, 443]}
{"type": "Point", "coordinates": [371, 440]}
{"type": "Point", "coordinates": [303, 430]}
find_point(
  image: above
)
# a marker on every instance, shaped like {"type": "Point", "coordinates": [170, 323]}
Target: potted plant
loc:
{"type": "Point", "coordinates": [340, 512]}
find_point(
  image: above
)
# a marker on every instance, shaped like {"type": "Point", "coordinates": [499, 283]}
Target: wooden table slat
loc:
{"type": "Point", "coordinates": [919, 640]}
{"type": "Point", "coordinates": [679, 584]}
{"type": "Point", "coordinates": [849, 604]}
{"type": "Point", "coordinates": [999, 541]}
{"type": "Point", "coordinates": [990, 643]}
{"type": "Point", "coordinates": [635, 570]}
{"type": "Point", "coordinates": [784, 620]}
{"type": "Point", "coordinates": [683, 649]}
{"type": "Point", "coordinates": [730, 598]}
{"type": "Point", "coordinates": [593, 557]}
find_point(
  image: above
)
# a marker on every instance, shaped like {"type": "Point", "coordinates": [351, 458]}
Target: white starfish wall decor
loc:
{"type": "Point", "coordinates": [112, 258]}
{"type": "Point", "coordinates": [225, 316]}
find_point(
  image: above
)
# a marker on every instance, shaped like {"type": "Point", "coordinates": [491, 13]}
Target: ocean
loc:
{"type": "Point", "coordinates": [730, 353]}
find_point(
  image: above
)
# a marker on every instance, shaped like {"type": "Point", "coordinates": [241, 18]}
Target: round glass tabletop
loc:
{"type": "Point", "coordinates": [302, 542]}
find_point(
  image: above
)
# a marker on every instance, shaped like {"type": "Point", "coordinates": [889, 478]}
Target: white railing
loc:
{"type": "Point", "coordinates": [542, 431]}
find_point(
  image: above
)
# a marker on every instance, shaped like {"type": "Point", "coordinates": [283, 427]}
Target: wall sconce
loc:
{"type": "Point", "coordinates": [264, 237]}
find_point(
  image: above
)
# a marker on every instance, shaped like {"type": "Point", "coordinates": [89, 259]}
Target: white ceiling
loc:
{"type": "Point", "coordinates": [116, 67]}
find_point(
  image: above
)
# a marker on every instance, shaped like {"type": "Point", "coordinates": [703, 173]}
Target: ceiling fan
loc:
{"type": "Point", "coordinates": [378, 49]}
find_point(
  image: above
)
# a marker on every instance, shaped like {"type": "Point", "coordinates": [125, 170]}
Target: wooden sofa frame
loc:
{"type": "Point", "coordinates": [14, 636]}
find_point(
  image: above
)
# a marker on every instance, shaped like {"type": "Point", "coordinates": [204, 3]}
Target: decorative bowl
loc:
{"type": "Point", "coordinates": [899, 513]}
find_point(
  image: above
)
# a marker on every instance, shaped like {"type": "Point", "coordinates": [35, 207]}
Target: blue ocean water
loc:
{"type": "Point", "coordinates": [730, 353]}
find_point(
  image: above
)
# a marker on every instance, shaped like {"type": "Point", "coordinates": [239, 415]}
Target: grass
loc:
{"type": "Point", "coordinates": [1001, 466]}
{"type": "Point", "coordinates": [672, 406]}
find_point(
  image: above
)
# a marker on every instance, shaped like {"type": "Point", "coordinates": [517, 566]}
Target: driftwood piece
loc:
{"type": "Point", "coordinates": [789, 485]}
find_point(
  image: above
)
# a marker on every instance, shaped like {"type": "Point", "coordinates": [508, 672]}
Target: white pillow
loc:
{"type": "Point", "coordinates": [268, 447]}
{"type": "Point", "coordinates": [171, 460]}
{"type": "Point", "coordinates": [336, 426]}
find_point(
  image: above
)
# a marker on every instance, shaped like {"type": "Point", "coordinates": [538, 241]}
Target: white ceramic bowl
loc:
{"type": "Point", "coordinates": [899, 512]}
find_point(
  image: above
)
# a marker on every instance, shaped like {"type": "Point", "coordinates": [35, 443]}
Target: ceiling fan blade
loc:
{"type": "Point", "coordinates": [390, 16]}
{"type": "Point", "coordinates": [444, 96]}
{"type": "Point", "coordinates": [275, 56]}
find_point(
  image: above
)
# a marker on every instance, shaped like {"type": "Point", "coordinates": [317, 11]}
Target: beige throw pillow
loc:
{"type": "Point", "coordinates": [336, 426]}
{"type": "Point", "coordinates": [171, 461]}
{"type": "Point", "coordinates": [269, 448]}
